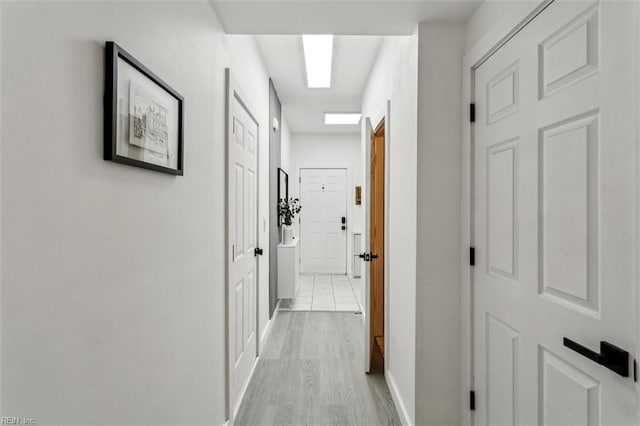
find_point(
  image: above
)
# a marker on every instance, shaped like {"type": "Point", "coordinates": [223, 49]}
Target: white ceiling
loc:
{"type": "Point", "coordinates": [362, 24]}
{"type": "Point", "coordinates": [356, 17]}
{"type": "Point", "coordinates": [304, 108]}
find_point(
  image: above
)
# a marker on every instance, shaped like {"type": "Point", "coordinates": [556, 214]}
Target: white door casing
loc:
{"type": "Point", "coordinates": [242, 240]}
{"type": "Point", "coordinates": [323, 242]}
{"type": "Point", "coordinates": [555, 219]}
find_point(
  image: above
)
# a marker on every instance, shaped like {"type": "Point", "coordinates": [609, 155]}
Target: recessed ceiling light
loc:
{"type": "Point", "coordinates": [348, 118]}
{"type": "Point", "coordinates": [318, 53]}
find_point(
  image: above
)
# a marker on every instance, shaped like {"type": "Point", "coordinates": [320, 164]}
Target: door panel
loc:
{"type": "Point", "coordinates": [323, 242]}
{"type": "Point", "coordinates": [554, 218]}
{"type": "Point", "coordinates": [243, 227]}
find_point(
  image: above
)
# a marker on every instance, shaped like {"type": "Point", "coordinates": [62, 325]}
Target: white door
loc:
{"type": "Point", "coordinates": [554, 219]}
{"type": "Point", "coordinates": [323, 235]}
{"type": "Point", "coordinates": [242, 228]}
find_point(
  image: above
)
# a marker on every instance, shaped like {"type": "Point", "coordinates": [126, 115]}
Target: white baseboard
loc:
{"type": "Point", "coordinates": [402, 409]}
{"type": "Point", "coordinates": [244, 390]}
{"type": "Point", "coordinates": [267, 329]}
{"type": "Point", "coordinates": [263, 341]}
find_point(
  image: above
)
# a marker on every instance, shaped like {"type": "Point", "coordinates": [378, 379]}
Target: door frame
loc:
{"type": "Point", "coordinates": [368, 131]}
{"type": "Point", "coordinates": [520, 14]}
{"type": "Point", "coordinates": [348, 166]}
{"type": "Point", "coordinates": [233, 89]}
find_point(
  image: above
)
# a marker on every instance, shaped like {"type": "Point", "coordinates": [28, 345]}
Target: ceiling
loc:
{"type": "Point", "coordinates": [354, 17]}
{"type": "Point", "coordinates": [278, 24]}
{"type": "Point", "coordinates": [304, 108]}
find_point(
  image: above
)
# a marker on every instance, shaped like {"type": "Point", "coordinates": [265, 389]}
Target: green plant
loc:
{"type": "Point", "coordinates": [288, 209]}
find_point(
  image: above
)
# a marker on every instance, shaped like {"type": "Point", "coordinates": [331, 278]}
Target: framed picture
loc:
{"type": "Point", "coordinates": [143, 116]}
{"type": "Point", "coordinates": [283, 187]}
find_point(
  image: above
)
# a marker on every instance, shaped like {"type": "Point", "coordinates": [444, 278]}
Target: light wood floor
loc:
{"type": "Point", "coordinates": [311, 373]}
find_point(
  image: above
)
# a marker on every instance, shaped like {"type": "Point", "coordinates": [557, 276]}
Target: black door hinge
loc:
{"type": "Point", "coordinates": [472, 113]}
{"type": "Point", "coordinates": [472, 400]}
{"type": "Point", "coordinates": [635, 370]}
{"type": "Point", "coordinates": [472, 256]}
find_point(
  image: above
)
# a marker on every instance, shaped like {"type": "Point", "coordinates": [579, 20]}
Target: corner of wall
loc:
{"type": "Point", "coordinates": [440, 47]}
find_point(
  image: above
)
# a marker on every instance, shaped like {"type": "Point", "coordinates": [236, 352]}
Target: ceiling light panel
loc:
{"type": "Point", "coordinates": [349, 118]}
{"type": "Point", "coordinates": [318, 55]}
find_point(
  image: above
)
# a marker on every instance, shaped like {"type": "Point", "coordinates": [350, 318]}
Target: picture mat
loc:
{"type": "Point", "coordinates": [128, 75]}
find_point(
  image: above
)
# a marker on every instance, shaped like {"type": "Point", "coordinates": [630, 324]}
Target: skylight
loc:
{"type": "Point", "coordinates": [335, 118]}
{"type": "Point", "coordinates": [318, 54]}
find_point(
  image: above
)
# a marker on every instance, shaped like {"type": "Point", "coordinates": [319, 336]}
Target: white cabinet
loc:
{"type": "Point", "coordinates": [288, 255]}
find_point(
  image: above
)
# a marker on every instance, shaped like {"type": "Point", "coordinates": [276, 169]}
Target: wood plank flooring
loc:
{"type": "Point", "coordinates": [311, 373]}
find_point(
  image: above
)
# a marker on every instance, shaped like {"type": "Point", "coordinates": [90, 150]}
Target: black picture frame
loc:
{"type": "Point", "coordinates": [283, 193]}
{"type": "Point", "coordinates": [113, 52]}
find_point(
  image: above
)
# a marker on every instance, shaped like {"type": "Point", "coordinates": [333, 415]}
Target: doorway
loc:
{"type": "Point", "coordinates": [323, 221]}
{"type": "Point", "coordinates": [376, 254]}
{"type": "Point", "coordinates": [242, 243]}
{"type": "Point", "coordinates": [553, 280]}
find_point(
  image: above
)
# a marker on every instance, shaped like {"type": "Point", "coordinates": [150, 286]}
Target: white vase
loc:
{"type": "Point", "coordinates": [287, 234]}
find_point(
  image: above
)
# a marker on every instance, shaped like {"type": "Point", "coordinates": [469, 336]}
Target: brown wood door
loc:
{"type": "Point", "coordinates": [376, 266]}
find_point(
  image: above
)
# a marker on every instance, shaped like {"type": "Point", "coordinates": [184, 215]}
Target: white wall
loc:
{"type": "Point", "coordinates": [394, 78]}
{"type": "Point", "coordinates": [113, 276]}
{"type": "Point", "coordinates": [337, 150]}
{"type": "Point", "coordinates": [286, 149]}
{"type": "Point", "coordinates": [438, 339]}
{"type": "Point", "coordinates": [495, 15]}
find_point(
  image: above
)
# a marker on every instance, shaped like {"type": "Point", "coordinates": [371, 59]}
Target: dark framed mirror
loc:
{"type": "Point", "coordinates": [283, 187]}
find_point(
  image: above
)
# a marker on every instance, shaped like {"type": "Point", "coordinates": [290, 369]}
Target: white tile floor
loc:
{"type": "Point", "coordinates": [325, 293]}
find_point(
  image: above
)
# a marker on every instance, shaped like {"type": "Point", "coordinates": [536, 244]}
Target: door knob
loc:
{"type": "Point", "coordinates": [610, 356]}
{"type": "Point", "coordinates": [258, 251]}
{"type": "Point", "coordinates": [364, 256]}
{"type": "Point", "coordinates": [373, 256]}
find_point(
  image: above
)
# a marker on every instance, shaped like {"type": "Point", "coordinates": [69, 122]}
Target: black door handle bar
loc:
{"type": "Point", "coordinates": [610, 356]}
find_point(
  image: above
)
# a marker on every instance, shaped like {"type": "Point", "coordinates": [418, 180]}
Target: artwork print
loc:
{"type": "Point", "coordinates": [148, 122]}
{"type": "Point", "coordinates": [143, 116]}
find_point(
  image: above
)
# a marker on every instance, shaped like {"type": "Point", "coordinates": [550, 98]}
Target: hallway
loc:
{"type": "Point", "coordinates": [311, 372]}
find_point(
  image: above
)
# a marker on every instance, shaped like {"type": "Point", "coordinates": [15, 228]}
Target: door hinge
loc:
{"type": "Point", "coordinates": [472, 113]}
{"type": "Point", "coordinates": [635, 370]}
{"type": "Point", "coordinates": [472, 400]}
{"type": "Point", "coordinates": [472, 256]}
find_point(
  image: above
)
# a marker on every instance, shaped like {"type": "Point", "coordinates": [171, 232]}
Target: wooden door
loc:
{"type": "Point", "coordinates": [243, 226]}
{"type": "Point", "coordinates": [376, 249]}
{"type": "Point", "coordinates": [554, 219]}
{"type": "Point", "coordinates": [323, 236]}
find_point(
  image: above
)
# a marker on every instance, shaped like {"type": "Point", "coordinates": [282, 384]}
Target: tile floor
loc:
{"type": "Point", "coordinates": [325, 293]}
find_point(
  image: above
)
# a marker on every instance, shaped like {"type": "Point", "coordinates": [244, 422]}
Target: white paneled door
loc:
{"type": "Point", "coordinates": [554, 220]}
{"type": "Point", "coordinates": [323, 235]}
{"type": "Point", "coordinates": [242, 231]}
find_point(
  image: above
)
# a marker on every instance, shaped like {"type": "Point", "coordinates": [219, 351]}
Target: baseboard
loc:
{"type": "Point", "coordinates": [395, 396]}
{"type": "Point", "coordinates": [263, 341]}
{"type": "Point", "coordinates": [267, 329]}
{"type": "Point", "coordinates": [244, 391]}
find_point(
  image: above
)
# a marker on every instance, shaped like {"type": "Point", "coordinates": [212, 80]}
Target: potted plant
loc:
{"type": "Point", "coordinates": [288, 209]}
